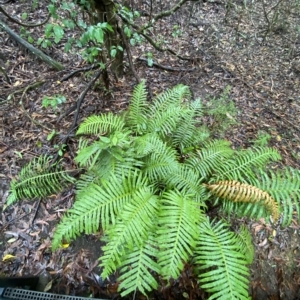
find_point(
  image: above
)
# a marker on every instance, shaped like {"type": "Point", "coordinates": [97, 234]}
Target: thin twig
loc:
{"type": "Point", "coordinates": [166, 68]}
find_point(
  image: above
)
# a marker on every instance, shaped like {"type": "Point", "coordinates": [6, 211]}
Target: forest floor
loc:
{"type": "Point", "coordinates": [236, 47]}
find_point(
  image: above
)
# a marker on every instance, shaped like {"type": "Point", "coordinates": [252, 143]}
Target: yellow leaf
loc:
{"type": "Point", "coordinates": [48, 286]}
{"type": "Point", "coordinates": [11, 240]}
{"type": "Point", "coordinates": [278, 138]}
{"type": "Point", "coordinates": [7, 257]}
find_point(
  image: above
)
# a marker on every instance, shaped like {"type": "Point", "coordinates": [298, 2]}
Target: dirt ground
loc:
{"type": "Point", "coordinates": [235, 47]}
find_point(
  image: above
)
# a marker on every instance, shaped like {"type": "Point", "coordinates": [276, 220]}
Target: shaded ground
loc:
{"type": "Point", "coordinates": [261, 67]}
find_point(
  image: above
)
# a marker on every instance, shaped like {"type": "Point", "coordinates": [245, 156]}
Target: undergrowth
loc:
{"type": "Point", "coordinates": [147, 178]}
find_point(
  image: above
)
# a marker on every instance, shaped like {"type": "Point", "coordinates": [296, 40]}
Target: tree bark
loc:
{"type": "Point", "coordinates": [106, 12]}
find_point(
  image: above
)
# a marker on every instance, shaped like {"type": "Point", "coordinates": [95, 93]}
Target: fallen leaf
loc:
{"type": "Point", "coordinates": [48, 286]}
{"type": "Point", "coordinates": [11, 240]}
{"type": "Point", "coordinates": [8, 257]}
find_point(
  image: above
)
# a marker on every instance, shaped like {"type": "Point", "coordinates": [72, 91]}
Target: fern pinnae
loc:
{"type": "Point", "coordinates": [131, 229]}
{"type": "Point", "coordinates": [169, 98]}
{"type": "Point", "coordinates": [242, 192]}
{"type": "Point", "coordinates": [165, 122]}
{"type": "Point", "coordinates": [98, 206]}
{"type": "Point", "coordinates": [244, 241]}
{"type": "Point", "coordinates": [178, 222]}
{"type": "Point", "coordinates": [210, 157]}
{"type": "Point", "coordinates": [102, 124]}
{"type": "Point", "coordinates": [187, 182]}
{"type": "Point", "coordinates": [136, 117]}
{"type": "Point", "coordinates": [246, 164]}
{"type": "Point", "coordinates": [284, 187]}
{"type": "Point", "coordinates": [221, 267]}
{"type": "Point", "coordinates": [136, 268]}
{"type": "Point", "coordinates": [39, 178]}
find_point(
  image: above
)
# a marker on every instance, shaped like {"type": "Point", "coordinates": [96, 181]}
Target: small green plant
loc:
{"type": "Point", "coordinates": [176, 32]}
{"type": "Point", "coordinates": [150, 59]}
{"type": "Point", "coordinates": [148, 176]}
{"type": "Point", "coordinates": [223, 111]}
{"type": "Point", "coordinates": [263, 139]}
{"type": "Point", "coordinates": [53, 101]}
{"type": "Point", "coordinates": [26, 34]}
{"type": "Point", "coordinates": [60, 149]}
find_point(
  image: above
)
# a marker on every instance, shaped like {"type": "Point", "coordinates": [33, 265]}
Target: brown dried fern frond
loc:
{"type": "Point", "coordinates": [242, 192]}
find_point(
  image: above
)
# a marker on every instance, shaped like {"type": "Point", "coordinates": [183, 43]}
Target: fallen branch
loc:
{"type": "Point", "coordinates": [170, 69]}
{"type": "Point", "coordinates": [76, 107]}
{"type": "Point", "coordinates": [78, 103]}
{"type": "Point", "coordinates": [38, 53]}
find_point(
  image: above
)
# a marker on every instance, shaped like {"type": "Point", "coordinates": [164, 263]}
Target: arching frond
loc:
{"type": "Point", "coordinates": [136, 116]}
{"type": "Point", "coordinates": [187, 134]}
{"type": "Point", "coordinates": [246, 163]}
{"type": "Point", "coordinates": [187, 182]}
{"type": "Point", "coordinates": [170, 98]}
{"type": "Point", "coordinates": [164, 122]}
{"type": "Point", "coordinates": [39, 178]}
{"type": "Point", "coordinates": [161, 161]}
{"type": "Point", "coordinates": [221, 266]}
{"type": "Point", "coordinates": [99, 205]}
{"type": "Point", "coordinates": [254, 211]}
{"type": "Point", "coordinates": [137, 269]}
{"type": "Point", "coordinates": [244, 241]}
{"type": "Point", "coordinates": [102, 124]}
{"type": "Point", "coordinates": [132, 228]}
{"type": "Point", "coordinates": [284, 187]}
{"type": "Point", "coordinates": [242, 192]}
{"type": "Point", "coordinates": [178, 221]}
{"type": "Point", "coordinates": [211, 157]}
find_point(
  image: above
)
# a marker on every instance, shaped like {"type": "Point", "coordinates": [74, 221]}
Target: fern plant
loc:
{"type": "Point", "coordinates": [149, 174]}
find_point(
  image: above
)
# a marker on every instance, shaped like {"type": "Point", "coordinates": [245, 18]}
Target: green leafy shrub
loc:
{"type": "Point", "coordinates": [149, 175]}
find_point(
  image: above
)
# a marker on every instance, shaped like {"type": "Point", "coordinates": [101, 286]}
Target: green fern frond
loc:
{"type": "Point", "coordinates": [169, 98]}
{"type": "Point", "coordinates": [115, 145]}
{"type": "Point", "coordinates": [284, 187]}
{"type": "Point", "coordinates": [131, 229]}
{"type": "Point", "coordinates": [244, 241]}
{"type": "Point", "coordinates": [39, 178]}
{"type": "Point", "coordinates": [137, 269]}
{"type": "Point", "coordinates": [196, 108]}
{"type": "Point", "coordinates": [98, 206]}
{"type": "Point", "coordinates": [147, 143]}
{"type": "Point", "coordinates": [255, 210]}
{"type": "Point", "coordinates": [178, 222]}
{"type": "Point", "coordinates": [136, 117]}
{"type": "Point", "coordinates": [102, 124]}
{"type": "Point", "coordinates": [211, 157]}
{"type": "Point", "coordinates": [186, 131]}
{"type": "Point", "coordinates": [136, 217]}
{"type": "Point", "coordinates": [165, 122]}
{"type": "Point", "coordinates": [242, 192]}
{"type": "Point", "coordinates": [161, 162]}
{"type": "Point", "coordinates": [187, 182]}
{"type": "Point", "coordinates": [246, 163]}
{"type": "Point", "coordinates": [221, 265]}
{"type": "Point", "coordinates": [186, 136]}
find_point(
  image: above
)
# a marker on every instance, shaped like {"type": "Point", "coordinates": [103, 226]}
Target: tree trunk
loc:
{"type": "Point", "coordinates": [106, 13]}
